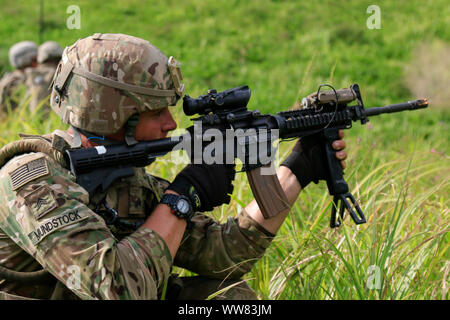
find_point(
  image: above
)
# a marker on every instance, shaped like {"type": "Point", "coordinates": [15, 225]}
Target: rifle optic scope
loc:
{"type": "Point", "coordinates": [213, 101]}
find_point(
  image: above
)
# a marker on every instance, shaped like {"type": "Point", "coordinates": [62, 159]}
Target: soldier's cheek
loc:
{"type": "Point", "coordinates": [150, 131]}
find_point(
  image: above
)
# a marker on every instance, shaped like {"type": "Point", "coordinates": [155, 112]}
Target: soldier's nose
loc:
{"type": "Point", "coordinates": [169, 122]}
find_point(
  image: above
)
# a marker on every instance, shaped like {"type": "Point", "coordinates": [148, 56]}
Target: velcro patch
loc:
{"type": "Point", "coordinates": [41, 201]}
{"type": "Point", "coordinates": [55, 223]}
{"type": "Point", "coordinates": [28, 172]}
{"type": "Point", "coordinates": [136, 196]}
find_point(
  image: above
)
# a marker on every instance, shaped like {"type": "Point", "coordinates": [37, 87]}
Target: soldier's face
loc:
{"type": "Point", "coordinates": [154, 125]}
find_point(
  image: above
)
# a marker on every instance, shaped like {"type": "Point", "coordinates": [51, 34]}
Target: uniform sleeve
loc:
{"type": "Point", "coordinates": [45, 212]}
{"type": "Point", "coordinates": [227, 250]}
{"type": "Point", "coordinates": [11, 86]}
{"type": "Point", "coordinates": [3, 91]}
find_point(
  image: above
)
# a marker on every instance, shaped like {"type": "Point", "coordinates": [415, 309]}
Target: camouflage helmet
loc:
{"type": "Point", "coordinates": [22, 54]}
{"type": "Point", "coordinates": [49, 51]}
{"type": "Point", "coordinates": [105, 79]}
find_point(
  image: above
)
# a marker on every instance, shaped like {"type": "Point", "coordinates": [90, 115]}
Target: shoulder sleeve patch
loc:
{"type": "Point", "coordinates": [29, 171]}
{"type": "Point", "coordinates": [41, 201]}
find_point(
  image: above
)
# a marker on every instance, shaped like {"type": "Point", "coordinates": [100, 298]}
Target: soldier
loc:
{"type": "Point", "coordinates": [120, 87]}
{"type": "Point", "coordinates": [39, 78]}
{"type": "Point", "coordinates": [22, 56]}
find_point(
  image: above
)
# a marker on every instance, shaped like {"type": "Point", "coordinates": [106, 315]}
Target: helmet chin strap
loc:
{"type": "Point", "coordinates": [76, 142]}
{"type": "Point", "coordinates": [130, 128]}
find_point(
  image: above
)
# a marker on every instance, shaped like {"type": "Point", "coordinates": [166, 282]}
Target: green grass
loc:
{"type": "Point", "coordinates": [398, 165]}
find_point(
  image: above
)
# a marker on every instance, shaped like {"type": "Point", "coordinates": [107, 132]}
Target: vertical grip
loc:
{"type": "Point", "coordinates": [336, 183]}
{"type": "Point", "coordinates": [337, 186]}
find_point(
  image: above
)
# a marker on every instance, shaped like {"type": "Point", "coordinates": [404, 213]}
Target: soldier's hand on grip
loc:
{"type": "Point", "coordinates": [307, 158]}
{"type": "Point", "coordinates": [207, 186]}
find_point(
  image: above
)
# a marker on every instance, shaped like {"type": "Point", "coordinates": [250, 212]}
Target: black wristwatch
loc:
{"type": "Point", "coordinates": [180, 206]}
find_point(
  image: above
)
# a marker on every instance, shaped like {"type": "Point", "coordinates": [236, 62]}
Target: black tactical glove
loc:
{"type": "Point", "coordinates": [307, 160]}
{"type": "Point", "coordinates": [207, 186]}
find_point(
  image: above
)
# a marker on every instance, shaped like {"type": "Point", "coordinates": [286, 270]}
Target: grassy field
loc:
{"type": "Point", "coordinates": [398, 166]}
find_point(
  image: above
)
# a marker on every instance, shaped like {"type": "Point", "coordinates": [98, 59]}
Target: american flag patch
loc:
{"type": "Point", "coordinates": [28, 172]}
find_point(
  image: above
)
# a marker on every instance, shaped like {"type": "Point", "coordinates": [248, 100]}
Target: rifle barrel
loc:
{"type": "Point", "coordinates": [410, 105]}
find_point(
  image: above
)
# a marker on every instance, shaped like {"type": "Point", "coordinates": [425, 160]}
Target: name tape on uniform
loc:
{"type": "Point", "coordinates": [51, 225]}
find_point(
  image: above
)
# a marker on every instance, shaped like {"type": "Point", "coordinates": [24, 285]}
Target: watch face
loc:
{"type": "Point", "coordinates": [183, 206]}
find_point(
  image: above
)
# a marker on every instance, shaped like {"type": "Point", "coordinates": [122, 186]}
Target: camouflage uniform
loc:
{"type": "Point", "coordinates": [12, 89]}
{"type": "Point", "coordinates": [12, 85]}
{"type": "Point", "coordinates": [48, 220]}
{"type": "Point", "coordinates": [38, 81]}
{"type": "Point", "coordinates": [39, 78]}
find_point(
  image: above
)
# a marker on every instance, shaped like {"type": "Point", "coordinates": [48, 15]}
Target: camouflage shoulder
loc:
{"type": "Point", "coordinates": [9, 83]}
{"type": "Point", "coordinates": [14, 77]}
{"type": "Point", "coordinates": [35, 189]}
{"type": "Point", "coordinates": [5, 82]}
{"type": "Point", "coordinates": [39, 76]}
{"type": "Point", "coordinates": [50, 219]}
{"type": "Point", "coordinates": [26, 171]}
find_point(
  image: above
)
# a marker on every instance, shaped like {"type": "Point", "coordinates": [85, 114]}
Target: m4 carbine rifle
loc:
{"type": "Point", "coordinates": [324, 112]}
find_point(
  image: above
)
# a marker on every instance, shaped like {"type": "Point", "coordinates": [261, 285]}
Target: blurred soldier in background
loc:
{"type": "Point", "coordinates": [22, 56]}
{"type": "Point", "coordinates": [38, 79]}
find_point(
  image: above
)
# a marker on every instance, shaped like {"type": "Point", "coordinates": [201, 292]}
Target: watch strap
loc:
{"type": "Point", "coordinates": [171, 200]}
